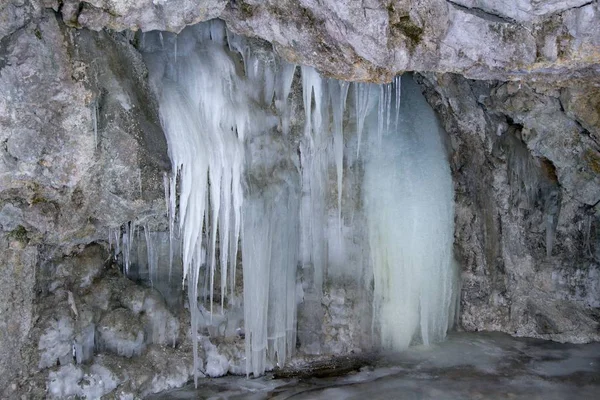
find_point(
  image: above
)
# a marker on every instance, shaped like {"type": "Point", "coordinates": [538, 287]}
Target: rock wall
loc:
{"type": "Point", "coordinates": [373, 40]}
{"type": "Point", "coordinates": [527, 191]}
{"type": "Point", "coordinates": [81, 150]}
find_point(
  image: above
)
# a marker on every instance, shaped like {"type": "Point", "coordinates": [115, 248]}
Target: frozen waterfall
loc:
{"type": "Point", "coordinates": [312, 180]}
{"type": "Point", "coordinates": [409, 206]}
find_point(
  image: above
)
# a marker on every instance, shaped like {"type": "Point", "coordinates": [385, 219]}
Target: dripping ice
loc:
{"type": "Point", "coordinates": [225, 109]}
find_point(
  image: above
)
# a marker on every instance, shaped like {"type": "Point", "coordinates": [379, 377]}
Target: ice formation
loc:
{"type": "Point", "coordinates": [361, 190]}
{"type": "Point", "coordinates": [409, 206]}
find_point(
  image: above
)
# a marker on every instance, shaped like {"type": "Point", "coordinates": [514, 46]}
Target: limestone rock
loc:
{"type": "Point", "coordinates": [374, 40]}
{"type": "Point", "coordinates": [526, 224]}
{"type": "Point", "coordinates": [15, 14]}
{"type": "Point", "coordinates": [166, 15]}
{"type": "Point", "coordinates": [81, 151]}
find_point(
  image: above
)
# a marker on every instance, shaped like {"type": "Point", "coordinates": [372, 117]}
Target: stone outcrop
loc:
{"type": "Point", "coordinates": [81, 150]}
{"type": "Point", "coordinates": [373, 40]}
{"type": "Point", "coordinates": [526, 179]}
{"type": "Point", "coordinates": [165, 15]}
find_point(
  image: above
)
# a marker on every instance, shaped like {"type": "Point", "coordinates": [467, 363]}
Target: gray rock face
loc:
{"type": "Point", "coordinates": [520, 10]}
{"type": "Point", "coordinates": [15, 14]}
{"type": "Point", "coordinates": [165, 15]}
{"type": "Point", "coordinates": [17, 298]}
{"type": "Point", "coordinates": [526, 183]}
{"type": "Point", "coordinates": [373, 40]}
{"type": "Point", "coordinates": [81, 150]}
{"type": "Point", "coordinates": [96, 338]}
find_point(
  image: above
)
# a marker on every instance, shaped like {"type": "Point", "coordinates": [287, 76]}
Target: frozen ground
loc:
{"type": "Point", "coordinates": [467, 365]}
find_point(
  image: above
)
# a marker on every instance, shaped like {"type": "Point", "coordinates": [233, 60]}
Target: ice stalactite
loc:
{"type": "Point", "coordinates": [210, 105]}
{"type": "Point", "coordinates": [205, 111]}
{"type": "Point", "coordinates": [363, 103]}
{"type": "Point", "coordinates": [338, 92]}
{"type": "Point", "coordinates": [314, 160]}
{"type": "Point", "coordinates": [242, 174]}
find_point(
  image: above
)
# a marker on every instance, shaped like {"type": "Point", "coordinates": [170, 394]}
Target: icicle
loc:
{"type": "Point", "coordinates": [285, 77]}
{"type": "Point", "coordinates": [126, 247]}
{"type": "Point", "coordinates": [256, 250]}
{"type": "Point", "coordinates": [117, 233]}
{"type": "Point", "coordinates": [312, 89]}
{"type": "Point", "coordinates": [398, 86]}
{"type": "Point", "coordinates": [140, 181]}
{"type": "Point", "coordinates": [217, 120]}
{"type": "Point", "coordinates": [270, 253]}
{"type": "Point", "coordinates": [338, 92]}
{"type": "Point", "coordinates": [207, 110]}
{"type": "Point", "coordinates": [152, 257]}
{"type": "Point", "coordinates": [315, 160]}
{"type": "Point", "coordinates": [363, 103]}
{"type": "Point", "coordinates": [166, 191]}
{"type": "Point", "coordinates": [380, 115]}
{"type": "Point", "coordinates": [388, 108]}
{"type": "Point", "coordinates": [283, 87]}
{"type": "Point", "coordinates": [217, 32]}
{"type": "Point", "coordinates": [171, 207]}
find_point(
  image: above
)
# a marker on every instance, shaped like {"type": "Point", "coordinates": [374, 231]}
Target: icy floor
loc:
{"type": "Point", "coordinates": [466, 366]}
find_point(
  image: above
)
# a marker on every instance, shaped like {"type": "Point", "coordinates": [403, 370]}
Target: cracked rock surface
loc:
{"type": "Point", "coordinates": [372, 40]}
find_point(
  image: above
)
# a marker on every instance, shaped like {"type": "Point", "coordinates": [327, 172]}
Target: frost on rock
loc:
{"type": "Point", "coordinates": [216, 363]}
{"type": "Point", "coordinates": [55, 343]}
{"type": "Point", "coordinates": [79, 382]}
{"type": "Point", "coordinates": [160, 325]}
{"type": "Point", "coordinates": [121, 332]}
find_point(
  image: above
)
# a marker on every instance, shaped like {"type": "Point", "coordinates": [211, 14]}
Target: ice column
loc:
{"type": "Point", "coordinates": [408, 198]}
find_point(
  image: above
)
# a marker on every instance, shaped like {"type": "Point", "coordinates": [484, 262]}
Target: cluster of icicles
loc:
{"type": "Point", "coordinates": [225, 109]}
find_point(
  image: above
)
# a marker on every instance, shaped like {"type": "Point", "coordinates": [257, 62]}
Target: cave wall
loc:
{"type": "Point", "coordinates": [81, 150]}
{"type": "Point", "coordinates": [373, 40]}
{"type": "Point", "coordinates": [535, 111]}
{"type": "Point", "coordinates": [526, 180]}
